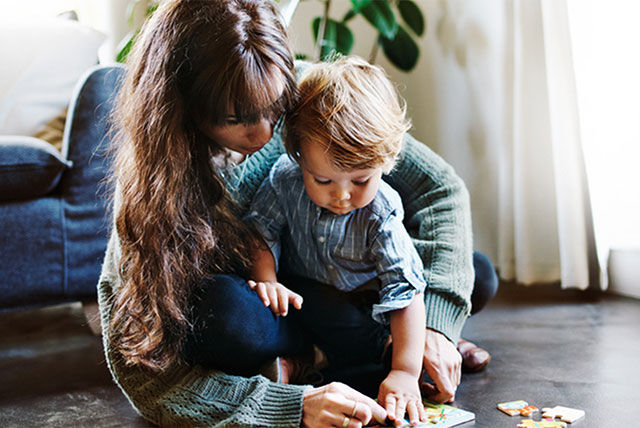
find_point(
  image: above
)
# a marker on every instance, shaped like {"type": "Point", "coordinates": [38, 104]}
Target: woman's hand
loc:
{"type": "Point", "coordinates": [338, 405]}
{"type": "Point", "coordinates": [276, 296]}
{"type": "Point", "coordinates": [443, 364]}
{"type": "Point", "coordinates": [400, 393]}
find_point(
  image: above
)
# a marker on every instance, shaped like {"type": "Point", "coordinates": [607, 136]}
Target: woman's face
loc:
{"type": "Point", "coordinates": [241, 137]}
{"type": "Point", "coordinates": [248, 138]}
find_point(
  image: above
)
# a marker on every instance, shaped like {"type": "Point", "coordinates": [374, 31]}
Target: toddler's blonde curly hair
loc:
{"type": "Point", "coordinates": [353, 110]}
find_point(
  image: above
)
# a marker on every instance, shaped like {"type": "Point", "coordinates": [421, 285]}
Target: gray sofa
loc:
{"type": "Point", "coordinates": [53, 206]}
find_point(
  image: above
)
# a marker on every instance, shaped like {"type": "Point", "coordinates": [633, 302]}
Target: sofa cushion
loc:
{"type": "Point", "coordinates": [29, 167]}
{"type": "Point", "coordinates": [41, 61]}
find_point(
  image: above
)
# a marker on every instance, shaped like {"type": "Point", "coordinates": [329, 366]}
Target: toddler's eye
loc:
{"type": "Point", "coordinates": [361, 182]}
{"type": "Point", "coordinates": [321, 181]}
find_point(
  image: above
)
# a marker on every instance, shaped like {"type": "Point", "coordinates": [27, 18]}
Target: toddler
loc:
{"type": "Point", "coordinates": [325, 204]}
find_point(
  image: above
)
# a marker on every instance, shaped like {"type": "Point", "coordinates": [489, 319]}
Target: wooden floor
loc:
{"type": "Point", "coordinates": [557, 348]}
{"type": "Point", "coordinates": [549, 347]}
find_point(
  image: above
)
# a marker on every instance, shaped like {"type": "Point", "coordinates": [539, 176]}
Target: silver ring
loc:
{"type": "Point", "coordinates": [345, 422]}
{"type": "Point", "coordinates": [355, 407]}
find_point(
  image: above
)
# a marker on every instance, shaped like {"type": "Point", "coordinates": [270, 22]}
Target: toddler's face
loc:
{"type": "Point", "coordinates": [329, 187]}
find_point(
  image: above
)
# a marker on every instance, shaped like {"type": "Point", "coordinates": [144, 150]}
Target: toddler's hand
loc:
{"type": "Point", "coordinates": [276, 296]}
{"type": "Point", "coordinates": [400, 393]}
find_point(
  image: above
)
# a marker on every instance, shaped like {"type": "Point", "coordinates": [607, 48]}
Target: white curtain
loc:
{"type": "Point", "coordinates": [544, 228]}
{"type": "Point", "coordinates": [607, 63]}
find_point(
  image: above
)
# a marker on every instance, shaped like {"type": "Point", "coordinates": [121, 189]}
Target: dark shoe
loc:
{"type": "Point", "coordinates": [474, 358]}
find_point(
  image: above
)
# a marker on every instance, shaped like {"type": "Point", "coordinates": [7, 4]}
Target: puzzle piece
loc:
{"type": "Point", "coordinates": [442, 416]}
{"type": "Point", "coordinates": [565, 414]}
{"type": "Point", "coordinates": [530, 423]}
{"type": "Point", "coordinates": [518, 407]}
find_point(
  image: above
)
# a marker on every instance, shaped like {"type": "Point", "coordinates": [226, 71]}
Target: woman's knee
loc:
{"type": "Point", "coordinates": [232, 329]}
{"type": "Point", "coordinates": [485, 284]}
{"type": "Point", "coordinates": [220, 294]}
{"type": "Point", "coordinates": [221, 306]}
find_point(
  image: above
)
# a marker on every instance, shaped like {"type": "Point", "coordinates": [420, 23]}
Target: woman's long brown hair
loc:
{"type": "Point", "coordinates": [193, 61]}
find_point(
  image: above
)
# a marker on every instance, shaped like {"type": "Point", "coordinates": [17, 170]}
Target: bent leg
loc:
{"type": "Point", "coordinates": [340, 324]}
{"type": "Point", "coordinates": [485, 287]}
{"type": "Point", "coordinates": [485, 284]}
{"type": "Point", "coordinates": [233, 331]}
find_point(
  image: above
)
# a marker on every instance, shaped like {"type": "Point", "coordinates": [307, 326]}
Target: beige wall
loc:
{"type": "Point", "coordinates": [106, 16]}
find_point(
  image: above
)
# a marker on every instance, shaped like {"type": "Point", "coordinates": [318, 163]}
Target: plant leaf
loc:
{"type": "Point", "coordinates": [350, 14]}
{"type": "Point", "coordinates": [359, 4]}
{"type": "Point", "coordinates": [402, 51]}
{"type": "Point", "coordinates": [151, 8]}
{"type": "Point", "coordinates": [412, 15]}
{"type": "Point", "coordinates": [337, 37]}
{"type": "Point", "coordinates": [125, 46]}
{"type": "Point", "coordinates": [380, 15]}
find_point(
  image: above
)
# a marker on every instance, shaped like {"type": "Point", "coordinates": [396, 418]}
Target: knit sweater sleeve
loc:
{"type": "Point", "coordinates": [438, 218]}
{"type": "Point", "coordinates": [249, 175]}
{"type": "Point", "coordinates": [191, 395]}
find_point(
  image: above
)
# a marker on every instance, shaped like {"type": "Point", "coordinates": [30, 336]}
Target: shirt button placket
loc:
{"type": "Point", "coordinates": [321, 227]}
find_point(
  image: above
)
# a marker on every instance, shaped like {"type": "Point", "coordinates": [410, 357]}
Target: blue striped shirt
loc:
{"type": "Point", "coordinates": [345, 251]}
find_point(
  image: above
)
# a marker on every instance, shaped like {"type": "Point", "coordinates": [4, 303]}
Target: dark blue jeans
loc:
{"type": "Point", "coordinates": [485, 284]}
{"type": "Point", "coordinates": [234, 332]}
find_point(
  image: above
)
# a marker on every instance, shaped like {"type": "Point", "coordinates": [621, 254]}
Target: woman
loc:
{"type": "Point", "coordinates": [206, 83]}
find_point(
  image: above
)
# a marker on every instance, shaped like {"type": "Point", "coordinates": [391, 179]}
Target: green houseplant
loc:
{"type": "Point", "coordinates": [397, 42]}
{"type": "Point", "coordinates": [331, 35]}
{"type": "Point", "coordinates": [125, 44]}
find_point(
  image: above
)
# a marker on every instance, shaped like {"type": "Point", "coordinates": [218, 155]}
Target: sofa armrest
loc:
{"type": "Point", "coordinates": [87, 130]}
{"type": "Point", "coordinates": [29, 167]}
{"type": "Point", "coordinates": [84, 187]}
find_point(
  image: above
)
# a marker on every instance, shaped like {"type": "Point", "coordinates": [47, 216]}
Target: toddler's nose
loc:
{"type": "Point", "coordinates": [342, 195]}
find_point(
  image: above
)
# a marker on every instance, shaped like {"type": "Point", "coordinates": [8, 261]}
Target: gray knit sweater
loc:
{"type": "Point", "coordinates": [438, 218]}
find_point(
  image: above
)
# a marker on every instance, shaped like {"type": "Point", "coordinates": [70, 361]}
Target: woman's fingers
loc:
{"type": "Point", "coordinates": [428, 389]}
{"type": "Point", "coordinates": [367, 408]}
{"type": "Point", "coordinates": [363, 408]}
{"type": "Point", "coordinates": [442, 362]}
{"type": "Point", "coordinates": [339, 405]}
{"type": "Point", "coordinates": [361, 412]}
{"type": "Point", "coordinates": [342, 421]}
